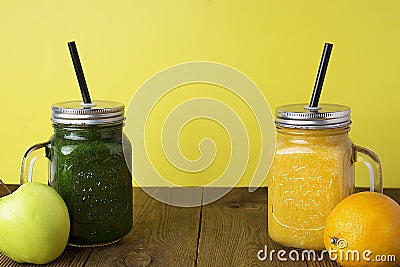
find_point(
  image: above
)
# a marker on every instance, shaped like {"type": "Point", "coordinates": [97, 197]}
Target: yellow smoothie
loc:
{"type": "Point", "coordinates": [311, 173]}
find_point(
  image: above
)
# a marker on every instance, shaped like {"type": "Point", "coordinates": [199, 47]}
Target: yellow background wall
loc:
{"type": "Point", "coordinates": [277, 44]}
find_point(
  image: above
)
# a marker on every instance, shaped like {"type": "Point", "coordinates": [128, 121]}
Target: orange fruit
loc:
{"type": "Point", "coordinates": [366, 224]}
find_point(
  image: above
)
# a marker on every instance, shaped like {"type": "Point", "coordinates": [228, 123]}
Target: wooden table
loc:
{"type": "Point", "coordinates": [228, 232]}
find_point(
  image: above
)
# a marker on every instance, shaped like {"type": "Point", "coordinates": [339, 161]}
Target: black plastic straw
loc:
{"type": "Point", "coordinates": [79, 72]}
{"type": "Point", "coordinates": [323, 65]}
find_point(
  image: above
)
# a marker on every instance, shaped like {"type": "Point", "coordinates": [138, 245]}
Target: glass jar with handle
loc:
{"type": "Point", "coordinates": [312, 171]}
{"type": "Point", "coordinates": [89, 158]}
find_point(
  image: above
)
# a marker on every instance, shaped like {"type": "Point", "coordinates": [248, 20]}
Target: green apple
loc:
{"type": "Point", "coordinates": [34, 224]}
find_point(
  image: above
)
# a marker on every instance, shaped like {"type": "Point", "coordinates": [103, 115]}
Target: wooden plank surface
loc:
{"type": "Point", "coordinates": [162, 235]}
{"type": "Point", "coordinates": [234, 230]}
{"type": "Point", "coordinates": [228, 232]}
{"type": "Point", "coordinates": [71, 256]}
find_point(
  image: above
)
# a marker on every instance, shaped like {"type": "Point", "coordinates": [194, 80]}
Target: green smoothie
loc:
{"type": "Point", "coordinates": [89, 170]}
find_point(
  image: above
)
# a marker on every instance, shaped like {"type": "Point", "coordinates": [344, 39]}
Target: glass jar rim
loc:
{"type": "Point", "coordinates": [301, 116]}
{"type": "Point", "coordinates": [97, 113]}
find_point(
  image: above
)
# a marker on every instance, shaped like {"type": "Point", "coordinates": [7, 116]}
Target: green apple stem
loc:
{"type": "Point", "coordinates": [4, 185]}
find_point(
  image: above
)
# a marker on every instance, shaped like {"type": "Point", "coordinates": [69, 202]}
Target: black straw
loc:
{"type": "Point", "coordinates": [79, 72]}
{"type": "Point", "coordinates": [321, 75]}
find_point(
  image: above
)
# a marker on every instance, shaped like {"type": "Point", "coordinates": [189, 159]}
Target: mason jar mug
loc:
{"type": "Point", "coordinates": [88, 167]}
{"type": "Point", "coordinates": [312, 171]}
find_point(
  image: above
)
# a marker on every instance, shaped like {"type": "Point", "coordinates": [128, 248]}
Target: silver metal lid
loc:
{"type": "Point", "coordinates": [97, 113]}
{"type": "Point", "coordinates": [323, 117]}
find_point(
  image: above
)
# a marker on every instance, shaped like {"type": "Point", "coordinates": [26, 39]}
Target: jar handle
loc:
{"type": "Point", "coordinates": [371, 160]}
{"type": "Point", "coordinates": [28, 160]}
